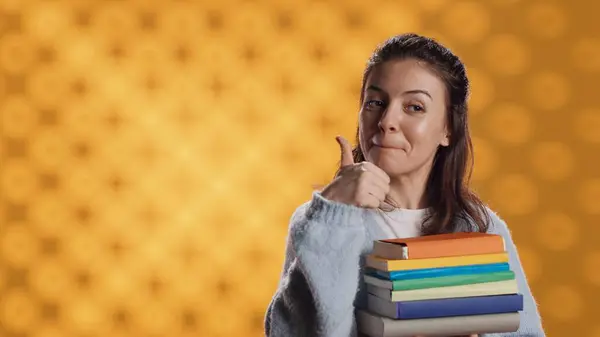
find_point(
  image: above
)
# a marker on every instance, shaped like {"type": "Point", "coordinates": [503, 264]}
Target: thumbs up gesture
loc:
{"type": "Point", "coordinates": [359, 184]}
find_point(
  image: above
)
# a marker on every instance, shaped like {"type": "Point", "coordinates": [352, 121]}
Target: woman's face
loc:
{"type": "Point", "coordinates": [403, 116]}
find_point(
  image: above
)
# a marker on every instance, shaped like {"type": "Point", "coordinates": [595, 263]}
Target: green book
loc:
{"type": "Point", "coordinates": [442, 281]}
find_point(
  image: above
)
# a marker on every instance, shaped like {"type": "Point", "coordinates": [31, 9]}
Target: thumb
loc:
{"type": "Point", "coordinates": [346, 151]}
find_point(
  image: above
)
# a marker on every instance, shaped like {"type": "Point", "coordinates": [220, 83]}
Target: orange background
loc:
{"type": "Point", "coordinates": [153, 152]}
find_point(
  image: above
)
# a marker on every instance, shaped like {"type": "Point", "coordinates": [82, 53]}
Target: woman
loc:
{"type": "Point", "coordinates": [406, 177]}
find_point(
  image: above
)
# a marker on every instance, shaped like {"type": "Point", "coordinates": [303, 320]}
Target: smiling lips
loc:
{"type": "Point", "coordinates": [387, 146]}
{"type": "Point", "coordinates": [383, 142]}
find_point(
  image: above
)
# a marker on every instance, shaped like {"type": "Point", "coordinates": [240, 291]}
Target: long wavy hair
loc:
{"type": "Point", "coordinates": [451, 202]}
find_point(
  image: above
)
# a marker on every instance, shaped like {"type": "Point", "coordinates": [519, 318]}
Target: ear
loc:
{"type": "Point", "coordinates": [445, 140]}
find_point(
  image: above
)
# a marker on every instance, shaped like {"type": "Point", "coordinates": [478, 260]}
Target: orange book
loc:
{"type": "Point", "coordinates": [388, 265]}
{"type": "Point", "coordinates": [440, 245]}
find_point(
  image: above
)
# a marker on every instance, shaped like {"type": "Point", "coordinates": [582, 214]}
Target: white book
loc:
{"type": "Point", "coordinates": [377, 326]}
{"type": "Point", "coordinates": [467, 290]}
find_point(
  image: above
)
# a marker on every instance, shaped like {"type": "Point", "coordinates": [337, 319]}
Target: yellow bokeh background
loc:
{"type": "Point", "coordinates": [152, 152]}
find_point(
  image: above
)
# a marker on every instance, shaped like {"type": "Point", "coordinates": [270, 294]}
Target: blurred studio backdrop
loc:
{"type": "Point", "coordinates": [152, 152]}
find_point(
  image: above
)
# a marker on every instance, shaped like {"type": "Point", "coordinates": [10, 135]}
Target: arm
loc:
{"type": "Point", "coordinates": [531, 323]}
{"type": "Point", "coordinates": [320, 276]}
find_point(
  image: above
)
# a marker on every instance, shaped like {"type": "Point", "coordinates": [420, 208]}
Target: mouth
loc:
{"type": "Point", "coordinates": [388, 143]}
{"type": "Point", "coordinates": [387, 147]}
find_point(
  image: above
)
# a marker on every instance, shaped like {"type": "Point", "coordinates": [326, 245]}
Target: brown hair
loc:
{"type": "Point", "coordinates": [448, 195]}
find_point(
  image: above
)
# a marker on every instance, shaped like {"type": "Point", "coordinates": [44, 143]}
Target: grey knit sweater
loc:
{"type": "Point", "coordinates": [320, 285]}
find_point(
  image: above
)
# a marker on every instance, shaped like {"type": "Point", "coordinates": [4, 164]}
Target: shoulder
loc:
{"type": "Point", "coordinates": [496, 225]}
{"type": "Point", "coordinates": [300, 211]}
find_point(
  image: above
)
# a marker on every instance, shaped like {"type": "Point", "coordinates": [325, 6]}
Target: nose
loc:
{"type": "Point", "coordinates": [391, 118]}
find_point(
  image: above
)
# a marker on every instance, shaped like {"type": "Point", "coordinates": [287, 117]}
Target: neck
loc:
{"type": "Point", "coordinates": [408, 191]}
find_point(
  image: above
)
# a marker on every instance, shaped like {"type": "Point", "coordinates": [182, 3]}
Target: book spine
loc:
{"type": "Point", "coordinates": [460, 306]}
{"type": "Point", "coordinates": [373, 325]}
{"type": "Point", "coordinates": [453, 261]}
{"type": "Point", "coordinates": [443, 271]}
{"type": "Point", "coordinates": [456, 247]}
{"type": "Point", "coordinates": [455, 280]}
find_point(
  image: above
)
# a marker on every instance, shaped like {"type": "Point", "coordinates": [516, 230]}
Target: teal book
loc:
{"type": "Point", "coordinates": [442, 271]}
{"type": "Point", "coordinates": [434, 282]}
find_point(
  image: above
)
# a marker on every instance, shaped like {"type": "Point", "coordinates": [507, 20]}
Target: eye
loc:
{"type": "Point", "coordinates": [373, 104]}
{"type": "Point", "coordinates": [414, 108]}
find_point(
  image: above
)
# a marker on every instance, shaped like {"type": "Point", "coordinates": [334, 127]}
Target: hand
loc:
{"type": "Point", "coordinates": [473, 335]}
{"type": "Point", "coordinates": [359, 184]}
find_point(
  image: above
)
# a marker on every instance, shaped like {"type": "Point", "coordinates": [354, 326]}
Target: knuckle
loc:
{"type": "Point", "coordinates": [362, 167]}
{"type": "Point", "coordinates": [367, 164]}
{"type": "Point", "coordinates": [362, 179]}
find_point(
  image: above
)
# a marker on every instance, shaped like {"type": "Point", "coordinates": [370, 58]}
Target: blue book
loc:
{"type": "Point", "coordinates": [461, 306]}
{"type": "Point", "coordinates": [437, 272]}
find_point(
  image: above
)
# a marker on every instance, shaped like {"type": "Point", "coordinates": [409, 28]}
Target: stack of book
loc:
{"type": "Point", "coordinates": [440, 285]}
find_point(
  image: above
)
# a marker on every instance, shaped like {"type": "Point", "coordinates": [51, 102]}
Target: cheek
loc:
{"type": "Point", "coordinates": [366, 121]}
{"type": "Point", "coordinates": [416, 133]}
{"type": "Point", "coordinates": [422, 134]}
{"type": "Point", "coordinates": [367, 128]}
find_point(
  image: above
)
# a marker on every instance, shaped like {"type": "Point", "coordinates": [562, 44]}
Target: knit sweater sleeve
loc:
{"type": "Point", "coordinates": [319, 282]}
{"type": "Point", "coordinates": [531, 323]}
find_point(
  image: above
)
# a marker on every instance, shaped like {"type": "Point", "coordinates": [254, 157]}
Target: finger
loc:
{"type": "Point", "coordinates": [386, 207]}
{"type": "Point", "coordinates": [377, 191]}
{"type": "Point", "coordinates": [377, 170]}
{"type": "Point", "coordinates": [375, 180]}
{"type": "Point", "coordinates": [346, 151]}
{"type": "Point", "coordinates": [378, 197]}
{"type": "Point", "coordinates": [370, 182]}
{"type": "Point", "coordinates": [368, 200]}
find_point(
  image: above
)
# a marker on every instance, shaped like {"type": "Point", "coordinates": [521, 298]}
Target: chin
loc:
{"type": "Point", "coordinates": [393, 165]}
{"type": "Point", "coordinates": [393, 169]}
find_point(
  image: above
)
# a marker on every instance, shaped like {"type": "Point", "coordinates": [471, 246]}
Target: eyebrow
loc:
{"type": "Point", "coordinates": [419, 91]}
{"type": "Point", "coordinates": [415, 91]}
